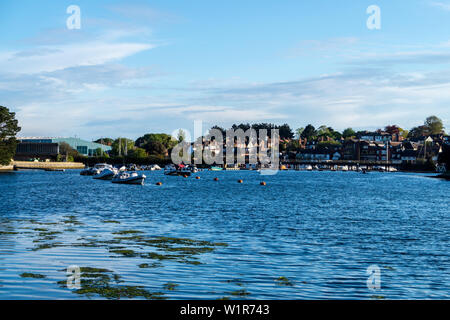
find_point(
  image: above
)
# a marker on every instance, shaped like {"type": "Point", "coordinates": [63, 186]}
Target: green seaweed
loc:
{"type": "Point", "coordinates": [240, 293]}
{"type": "Point", "coordinates": [119, 292]}
{"type": "Point", "coordinates": [146, 265]}
{"type": "Point", "coordinates": [283, 281]}
{"type": "Point", "coordinates": [32, 275]}
{"type": "Point", "coordinates": [125, 253]}
{"type": "Point", "coordinates": [127, 232]}
{"type": "Point", "coordinates": [170, 286]}
{"type": "Point", "coordinates": [103, 282]}
{"type": "Point", "coordinates": [8, 232]}
{"type": "Point", "coordinates": [47, 246]}
{"type": "Point", "coordinates": [72, 220]}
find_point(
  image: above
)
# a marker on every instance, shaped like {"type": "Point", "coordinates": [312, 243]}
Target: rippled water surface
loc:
{"type": "Point", "coordinates": [305, 235]}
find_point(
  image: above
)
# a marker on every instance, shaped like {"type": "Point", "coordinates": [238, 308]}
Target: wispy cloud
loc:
{"type": "Point", "coordinates": [48, 59]}
{"type": "Point", "coordinates": [442, 5]}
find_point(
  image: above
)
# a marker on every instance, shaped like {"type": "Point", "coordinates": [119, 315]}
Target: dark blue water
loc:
{"type": "Point", "coordinates": [320, 231]}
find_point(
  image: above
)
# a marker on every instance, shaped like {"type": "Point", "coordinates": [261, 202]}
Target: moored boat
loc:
{"type": "Point", "coordinates": [177, 170]}
{"type": "Point", "coordinates": [129, 178]}
{"type": "Point", "coordinates": [106, 173]}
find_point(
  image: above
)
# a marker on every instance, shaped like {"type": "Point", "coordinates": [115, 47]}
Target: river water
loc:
{"type": "Point", "coordinates": [305, 235]}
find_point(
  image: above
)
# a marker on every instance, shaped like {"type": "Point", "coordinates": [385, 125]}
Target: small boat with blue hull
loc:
{"type": "Point", "coordinates": [129, 178]}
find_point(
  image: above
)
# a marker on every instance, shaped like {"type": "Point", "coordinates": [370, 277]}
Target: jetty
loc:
{"type": "Point", "coordinates": [6, 168]}
{"type": "Point", "coordinates": [49, 166]}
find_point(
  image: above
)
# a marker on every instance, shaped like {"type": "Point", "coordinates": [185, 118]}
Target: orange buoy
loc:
{"type": "Point", "coordinates": [240, 181]}
{"type": "Point", "coordinates": [216, 179]}
{"type": "Point", "coordinates": [185, 176]}
{"type": "Point", "coordinates": [159, 183]}
{"type": "Point", "coordinates": [262, 183]}
{"type": "Point", "coordinates": [197, 177]}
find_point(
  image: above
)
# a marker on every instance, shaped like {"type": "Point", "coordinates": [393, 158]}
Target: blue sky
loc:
{"type": "Point", "coordinates": [155, 66]}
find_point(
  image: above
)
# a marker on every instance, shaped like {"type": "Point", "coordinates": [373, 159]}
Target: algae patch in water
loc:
{"type": "Point", "coordinates": [170, 286]}
{"type": "Point", "coordinates": [72, 220]}
{"type": "Point", "coordinates": [32, 275]}
{"type": "Point", "coordinates": [47, 246]}
{"type": "Point", "coordinates": [283, 281]}
{"type": "Point", "coordinates": [240, 293]}
{"type": "Point", "coordinates": [111, 221]}
{"type": "Point", "coordinates": [127, 232]}
{"type": "Point", "coordinates": [146, 265]}
{"type": "Point", "coordinates": [8, 233]}
{"type": "Point", "coordinates": [125, 253]}
{"type": "Point", "coordinates": [105, 283]}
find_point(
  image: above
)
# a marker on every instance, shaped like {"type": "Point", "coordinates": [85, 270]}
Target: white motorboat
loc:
{"type": "Point", "coordinates": [105, 172]}
{"type": "Point", "coordinates": [94, 170]}
{"type": "Point", "coordinates": [129, 178]}
{"type": "Point", "coordinates": [154, 167]}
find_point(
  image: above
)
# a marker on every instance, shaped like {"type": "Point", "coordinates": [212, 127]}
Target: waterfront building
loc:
{"type": "Point", "coordinates": [49, 147]}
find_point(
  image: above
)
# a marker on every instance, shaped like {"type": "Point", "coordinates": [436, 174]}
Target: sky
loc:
{"type": "Point", "coordinates": [135, 67]}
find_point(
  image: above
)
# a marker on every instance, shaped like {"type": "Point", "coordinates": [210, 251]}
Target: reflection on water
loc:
{"type": "Point", "coordinates": [305, 235]}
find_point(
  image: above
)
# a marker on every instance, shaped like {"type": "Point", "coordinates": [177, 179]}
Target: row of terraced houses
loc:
{"type": "Point", "coordinates": [372, 146]}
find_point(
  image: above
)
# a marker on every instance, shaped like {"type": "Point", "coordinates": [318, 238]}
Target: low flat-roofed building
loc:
{"type": "Point", "coordinates": [86, 148]}
{"type": "Point", "coordinates": [27, 150]}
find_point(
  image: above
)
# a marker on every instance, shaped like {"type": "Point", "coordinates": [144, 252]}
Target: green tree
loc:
{"type": "Point", "coordinates": [138, 153]}
{"type": "Point", "coordinates": [181, 135]}
{"type": "Point", "coordinates": [120, 144]}
{"type": "Point", "coordinates": [293, 145]}
{"type": "Point", "coordinates": [146, 141]}
{"type": "Point", "coordinates": [9, 127]}
{"type": "Point", "coordinates": [434, 125]}
{"type": "Point", "coordinates": [298, 132]}
{"type": "Point", "coordinates": [348, 133]}
{"type": "Point", "coordinates": [324, 131]}
{"type": "Point", "coordinates": [285, 131]}
{"type": "Point", "coordinates": [309, 132]}
{"type": "Point", "coordinates": [67, 152]}
{"type": "Point", "coordinates": [156, 148]}
{"type": "Point", "coordinates": [418, 132]}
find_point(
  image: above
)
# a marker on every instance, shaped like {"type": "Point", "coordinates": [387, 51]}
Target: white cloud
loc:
{"type": "Point", "coordinates": [55, 58]}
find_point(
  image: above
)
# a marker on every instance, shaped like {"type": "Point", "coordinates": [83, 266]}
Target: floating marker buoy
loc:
{"type": "Point", "coordinates": [185, 176]}
{"type": "Point", "coordinates": [159, 183]}
{"type": "Point", "coordinates": [216, 179]}
{"type": "Point", "coordinates": [240, 181]}
{"type": "Point", "coordinates": [262, 183]}
{"type": "Point", "coordinates": [197, 177]}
